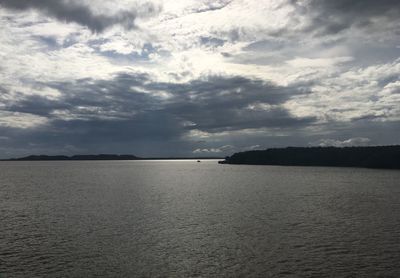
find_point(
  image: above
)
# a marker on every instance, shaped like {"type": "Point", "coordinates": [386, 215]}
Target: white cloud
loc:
{"type": "Point", "coordinates": [223, 149]}
{"type": "Point", "coordinates": [358, 141]}
{"type": "Point", "coordinates": [318, 62]}
{"type": "Point", "coordinates": [252, 148]}
{"type": "Point", "coordinates": [21, 120]}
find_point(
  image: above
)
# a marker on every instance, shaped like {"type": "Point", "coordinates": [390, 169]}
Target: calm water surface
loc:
{"type": "Point", "coordinates": [188, 219]}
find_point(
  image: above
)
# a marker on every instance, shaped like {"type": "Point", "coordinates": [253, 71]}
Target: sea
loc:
{"type": "Point", "coordinates": [183, 218]}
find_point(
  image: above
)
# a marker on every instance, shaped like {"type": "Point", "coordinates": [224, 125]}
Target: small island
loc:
{"type": "Point", "coordinates": [383, 157]}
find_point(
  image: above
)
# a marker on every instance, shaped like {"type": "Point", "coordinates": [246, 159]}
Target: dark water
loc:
{"type": "Point", "coordinates": [188, 219]}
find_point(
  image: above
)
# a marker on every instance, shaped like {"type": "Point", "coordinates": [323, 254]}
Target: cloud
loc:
{"type": "Point", "coordinates": [212, 103]}
{"type": "Point", "coordinates": [77, 12]}
{"type": "Point", "coordinates": [319, 63]}
{"type": "Point", "coordinates": [358, 141]}
{"type": "Point", "coordinates": [252, 148]}
{"type": "Point", "coordinates": [132, 108]}
{"type": "Point", "coordinates": [21, 120]}
{"type": "Point", "coordinates": [197, 75]}
{"type": "Point", "coordinates": [210, 5]}
{"type": "Point", "coordinates": [331, 17]}
{"type": "Point", "coordinates": [216, 104]}
{"type": "Point", "coordinates": [219, 150]}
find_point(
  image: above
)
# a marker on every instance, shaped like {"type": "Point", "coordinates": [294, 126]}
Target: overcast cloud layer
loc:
{"type": "Point", "coordinates": [197, 78]}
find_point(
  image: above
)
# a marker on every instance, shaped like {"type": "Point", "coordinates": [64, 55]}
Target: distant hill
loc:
{"type": "Point", "coordinates": [385, 157]}
{"type": "Point", "coordinates": [98, 157]}
{"type": "Point", "coordinates": [76, 157]}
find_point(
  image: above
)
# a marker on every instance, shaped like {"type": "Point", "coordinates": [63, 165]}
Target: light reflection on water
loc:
{"type": "Point", "coordinates": [158, 218]}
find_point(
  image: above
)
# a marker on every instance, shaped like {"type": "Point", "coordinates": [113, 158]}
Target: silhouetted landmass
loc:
{"type": "Point", "coordinates": [98, 157]}
{"type": "Point", "coordinates": [76, 157]}
{"type": "Point", "coordinates": [385, 157]}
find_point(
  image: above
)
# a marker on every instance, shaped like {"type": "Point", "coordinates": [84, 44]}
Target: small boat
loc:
{"type": "Point", "coordinates": [198, 161]}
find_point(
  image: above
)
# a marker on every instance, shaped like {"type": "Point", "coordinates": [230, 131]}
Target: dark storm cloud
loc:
{"type": "Point", "coordinates": [331, 17]}
{"type": "Point", "coordinates": [130, 109]}
{"type": "Point", "coordinates": [220, 104]}
{"type": "Point", "coordinates": [212, 104]}
{"type": "Point", "coordinates": [71, 11]}
{"type": "Point", "coordinates": [358, 8]}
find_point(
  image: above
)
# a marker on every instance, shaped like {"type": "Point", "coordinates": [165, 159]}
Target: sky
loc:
{"type": "Point", "coordinates": [197, 77]}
